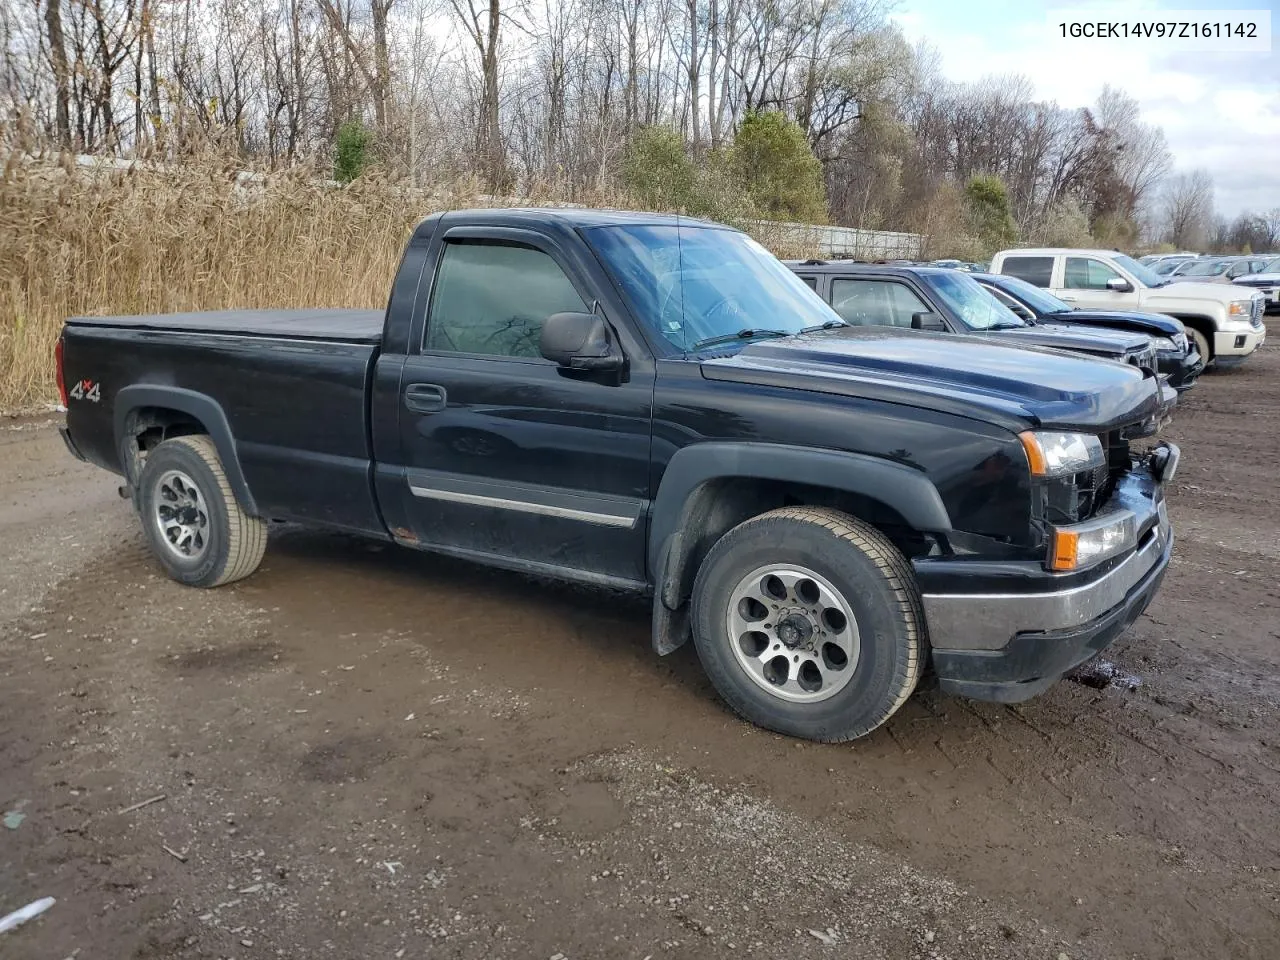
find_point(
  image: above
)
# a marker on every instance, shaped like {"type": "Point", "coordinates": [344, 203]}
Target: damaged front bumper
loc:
{"type": "Point", "coordinates": [1016, 631]}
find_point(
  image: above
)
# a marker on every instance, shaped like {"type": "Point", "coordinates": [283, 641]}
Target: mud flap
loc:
{"type": "Point", "coordinates": [671, 629]}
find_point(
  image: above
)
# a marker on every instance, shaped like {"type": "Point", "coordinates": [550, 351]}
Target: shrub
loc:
{"type": "Point", "coordinates": [987, 206]}
{"type": "Point", "coordinates": [351, 153]}
{"type": "Point", "coordinates": [772, 158]}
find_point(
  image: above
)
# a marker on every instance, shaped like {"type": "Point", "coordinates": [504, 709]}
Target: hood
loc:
{"type": "Point", "coordinates": [979, 377]}
{"type": "Point", "coordinates": [1188, 290]}
{"type": "Point", "coordinates": [1260, 279]}
{"type": "Point", "coordinates": [1082, 339]}
{"type": "Point", "coordinates": [1155, 324]}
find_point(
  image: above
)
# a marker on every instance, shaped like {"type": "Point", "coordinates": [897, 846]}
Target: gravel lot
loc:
{"type": "Point", "coordinates": [365, 753]}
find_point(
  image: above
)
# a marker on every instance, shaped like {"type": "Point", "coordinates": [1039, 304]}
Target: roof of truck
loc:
{"type": "Point", "coordinates": [573, 216]}
{"type": "Point", "coordinates": [1056, 251]}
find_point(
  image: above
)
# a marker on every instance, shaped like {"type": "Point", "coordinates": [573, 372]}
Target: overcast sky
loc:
{"type": "Point", "coordinates": [1219, 110]}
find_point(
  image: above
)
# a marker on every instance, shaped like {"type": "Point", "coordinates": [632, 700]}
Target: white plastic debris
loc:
{"type": "Point", "coordinates": [29, 912]}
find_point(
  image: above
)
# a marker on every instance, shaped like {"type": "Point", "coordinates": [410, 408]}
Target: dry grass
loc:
{"type": "Point", "coordinates": [75, 241]}
{"type": "Point", "coordinates": [78, 242]}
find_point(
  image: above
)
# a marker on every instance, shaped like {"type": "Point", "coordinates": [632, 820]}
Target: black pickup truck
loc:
{"type": "Point", "coordinates": [657, 404]}
{"type": "Point", "coordinates": [944, 299]}
{"type": "Point", "coordinates": [1177, 356]}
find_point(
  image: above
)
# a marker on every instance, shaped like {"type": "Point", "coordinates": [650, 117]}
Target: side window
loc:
{"type": "Point", "coordinates": [875, 303]}
{"type": "Point", "coordinates": [491, 298]}
{"type": "Point", "coordinates": [811, 282]}
{"type": "Point", "coordinates": [1083, 273]}
{"type": "Point", "coordinates": [1037, 270]}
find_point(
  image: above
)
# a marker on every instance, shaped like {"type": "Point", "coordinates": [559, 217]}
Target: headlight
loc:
{"type": "Point", "coordinates": [1083, 545]}
{"type": "Point", "coordinates": [1240, 308]}
{"type": "Point", "coordinates": [1053, 454]}
{"type": "Point", "coordinates": [1165, 343]}
{"type": "Point", "coordinates": [1180, 341]}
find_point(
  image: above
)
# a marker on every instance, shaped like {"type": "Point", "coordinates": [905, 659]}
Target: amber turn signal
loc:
{"type": "Point", "coordinates": [1066, 547]}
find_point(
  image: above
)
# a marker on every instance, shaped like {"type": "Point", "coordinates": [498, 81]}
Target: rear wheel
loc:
{"type": "Point", "coordinates": [195, 526]}
{"type": "Point", "coordinates": [809, 622]}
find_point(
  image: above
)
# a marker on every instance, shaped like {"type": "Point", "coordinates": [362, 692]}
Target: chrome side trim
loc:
{"type": "Point", "coordinates": [988, 621]}
{"type": "Point", "coordinates": [524, 506]}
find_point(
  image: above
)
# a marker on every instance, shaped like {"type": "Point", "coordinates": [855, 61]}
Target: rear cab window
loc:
{"type": "Point", "coordinates": [1036, 270]}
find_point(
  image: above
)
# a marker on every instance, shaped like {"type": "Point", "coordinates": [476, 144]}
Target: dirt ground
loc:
{"type": "Point", "coordinates": [369, 753]}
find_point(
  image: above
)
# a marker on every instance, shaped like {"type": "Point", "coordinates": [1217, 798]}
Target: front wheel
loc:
{"type": "Point", "coordinates": [809, 622]}
{"type": "Point", "coordinates": [195, 526]}
{"type": "Point", "coordinates": [1202, 344]}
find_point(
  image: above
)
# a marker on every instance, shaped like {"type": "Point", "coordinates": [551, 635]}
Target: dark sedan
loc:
{"type": "Point", "coordinates": [1176, 353]}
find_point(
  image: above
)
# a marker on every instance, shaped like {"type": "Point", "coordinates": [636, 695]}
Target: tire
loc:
{"type": "Point", "coordinates": [854, 573]}
{"type": "Point", "coordinates": [1202, 344]}
{"type": "Point", "coordinates": [183, 495]}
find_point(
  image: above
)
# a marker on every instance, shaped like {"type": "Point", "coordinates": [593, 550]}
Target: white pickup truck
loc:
{"type": "Point", "coordinates": [1225, 320]}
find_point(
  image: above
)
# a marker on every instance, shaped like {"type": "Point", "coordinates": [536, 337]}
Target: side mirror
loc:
{"type": "Point", "coordinates": [1119, 285]}
{"type": "Point", "coordinates": [927, 320]}
{"type": "Point", "coordinates": [579, 341]}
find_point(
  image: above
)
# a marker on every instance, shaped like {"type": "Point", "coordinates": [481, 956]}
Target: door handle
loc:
{"type": "Point", "coordinates": [425, 397]}
{"type": "Point", "coordinates": [1068, 299]}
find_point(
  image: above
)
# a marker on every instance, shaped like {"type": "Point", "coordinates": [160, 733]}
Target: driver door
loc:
{"type": "Point", "coordinates": [509, 457]}
{"type": "Point", "coordinates": [1084, 284]}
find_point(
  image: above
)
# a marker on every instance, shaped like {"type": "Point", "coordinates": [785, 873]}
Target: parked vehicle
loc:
{"type": "Point", "coordinates": [1266, 281]}
{"type": "Point", "coordinates": [1176, 354]}
{"type": "Point", "coordinates": [1225, 322]}
{"type": "Point", "coordinates": [1219, 269]}
{"type": "Point", "coordinates": [1164, 262]}
{"type": "Point", "coordinates": [1166, 268]}
{"type": "Point", "coordinates": [962, 265]}
{"type": "Point", "coordinates": [658, 405]}
{"type": "Point", "coordinates": [937, 298]}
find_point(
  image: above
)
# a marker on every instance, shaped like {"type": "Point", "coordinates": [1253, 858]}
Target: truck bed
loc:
{"type": "Point", "coordinates": [284, 389]}
{"type": "Point", "coordinates": [349, 326]}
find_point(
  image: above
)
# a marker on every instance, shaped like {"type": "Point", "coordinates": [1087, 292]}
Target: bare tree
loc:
{"type": "Point", "coordinates": [482, 20]}
{"type": "Point", "coordinates": [1188, 209]}
{"type": "Point", "coordinates": [58, 63]}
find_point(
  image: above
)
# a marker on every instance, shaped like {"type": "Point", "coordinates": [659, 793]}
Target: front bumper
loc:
{"type": "Point", "coordinates": [1181, 368]}
{"type": "Point", "coordinates": [1236, 344]}
{"type": "Point", "coordinates": [1027, 627]}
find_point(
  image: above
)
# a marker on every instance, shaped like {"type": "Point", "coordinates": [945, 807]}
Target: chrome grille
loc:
{"type": "Point", "coordinates": [1255, 314]}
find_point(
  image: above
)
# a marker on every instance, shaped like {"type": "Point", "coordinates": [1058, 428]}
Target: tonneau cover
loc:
{"type": "Point", "coordinates": [353, 326]}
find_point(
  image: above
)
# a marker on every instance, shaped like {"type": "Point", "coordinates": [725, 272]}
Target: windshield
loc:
{"type": "Point", "coordinates": [1145, 275]}
{"type": "Point", "coordinates": [696, 283]}
{"type": "Point", "coordinates": [1207, 268]}
{"type": "Point", "coordinates": [1041, 301]}
{"type": "Point", "coordinates": [977, 308]}
{"type": "Point", "coordinates": [1271, 266]}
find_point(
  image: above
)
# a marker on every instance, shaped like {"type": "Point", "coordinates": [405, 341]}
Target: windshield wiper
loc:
{"type": "Point", "coordinates": [750, 333]}
{"type": "Point", "coordinates": [1005, 325]}
{"type": "Point", "coordinates": [825, 325]}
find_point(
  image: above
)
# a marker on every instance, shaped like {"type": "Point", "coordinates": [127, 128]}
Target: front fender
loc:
{"type": "Point", "coordinates": [686, 506]}
{"type": "Point", "coordinates": [903, 488]}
